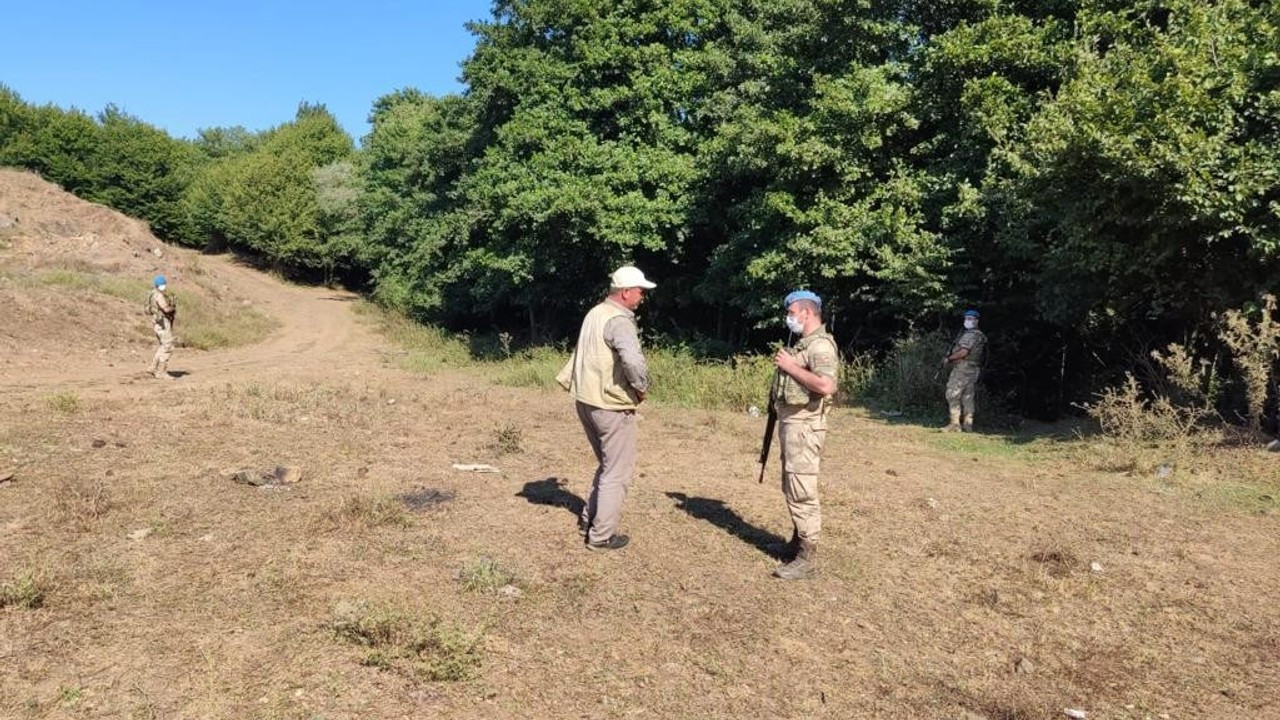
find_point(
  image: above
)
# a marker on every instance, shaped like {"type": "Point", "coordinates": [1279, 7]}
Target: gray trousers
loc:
{"type": "Point", "coordinates": [612, 434]}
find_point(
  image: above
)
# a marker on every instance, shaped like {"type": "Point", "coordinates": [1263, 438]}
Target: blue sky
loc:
{"type": "Point", "coordinates": [184, 66]}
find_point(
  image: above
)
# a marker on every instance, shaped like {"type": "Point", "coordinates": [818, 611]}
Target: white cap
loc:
{"type": "Point", "coordinates": [629, 276]}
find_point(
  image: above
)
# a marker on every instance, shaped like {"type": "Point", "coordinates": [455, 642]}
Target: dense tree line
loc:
{"type": "Point", "coordinates": [1100, 177]}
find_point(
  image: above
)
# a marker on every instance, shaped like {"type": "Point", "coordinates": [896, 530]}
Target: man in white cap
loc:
{"type": "Point", "coordinates": [608, 379]}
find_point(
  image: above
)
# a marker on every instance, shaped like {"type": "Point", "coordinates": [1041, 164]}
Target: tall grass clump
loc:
{"type": "Point", "coordinates": [910, 377]}
{"type": "Point", "coordinates": [23, 590]}
{"type": "Point", "coordinates": [1165, 425]}
{"type": "Point", "coordinates": [1254, 346]}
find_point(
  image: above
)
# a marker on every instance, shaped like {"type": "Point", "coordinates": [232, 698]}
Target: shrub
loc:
{"type": "Point", "coordinates": [1255, 348]}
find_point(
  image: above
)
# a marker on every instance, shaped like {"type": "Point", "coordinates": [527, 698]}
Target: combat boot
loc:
{"type": "Point", "coordinates": [968, 424]}
{"type": "Point", "coordinates": [785, 551]}
{"type": "Point", "coordinates": [954, 425]}
{"type": "Point", "coordinates": [804, 566]}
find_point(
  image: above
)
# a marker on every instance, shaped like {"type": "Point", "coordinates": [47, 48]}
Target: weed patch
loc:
{"type": "Point", "coordinates": [485, 575]}
{"type": "Point", "coordinates": [23, 590]}
{"type": "Point", "coordinates": [368, 511]}
{"type": "Point", "coordinates": [508, 439]}
{"type": "Point", "coordinates": [65, 402]}
{"type": "Point", "coordinates": [409, 643]}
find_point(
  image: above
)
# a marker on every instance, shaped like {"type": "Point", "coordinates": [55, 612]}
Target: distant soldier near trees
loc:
{"type": "Point", "coordinates": [965, 360]}
{"type": "Point", "coordinates": [162, 309]}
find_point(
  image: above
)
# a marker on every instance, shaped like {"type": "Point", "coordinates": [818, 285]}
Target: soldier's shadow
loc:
{"type": "Point", "coordinates": [727, 519]}
{"type": "Point", "coordinates": [550, 491]}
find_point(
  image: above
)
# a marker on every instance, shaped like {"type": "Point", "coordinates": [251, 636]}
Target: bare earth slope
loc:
{"type": "Point", "coordinates": [138, 580]}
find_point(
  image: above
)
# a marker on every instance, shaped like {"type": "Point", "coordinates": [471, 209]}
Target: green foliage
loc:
{"type": "Point", "coordinates": [143, 172]}
{"type": "Point", "coordinates": [911, 377]}
{"type": "Point", "coordinates": [287, 196]}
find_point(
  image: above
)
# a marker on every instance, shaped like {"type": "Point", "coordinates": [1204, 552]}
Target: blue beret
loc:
{"type": "Point", "coordinates": [971, 313]}
{"type": "Point", "coordinates": [160, 281]}
{"type": "Point", "coordinates": [801, 295]}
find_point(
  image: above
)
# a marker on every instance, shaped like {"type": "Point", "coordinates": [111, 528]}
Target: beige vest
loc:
{"type": "Point", "coordinates": [593, 374]}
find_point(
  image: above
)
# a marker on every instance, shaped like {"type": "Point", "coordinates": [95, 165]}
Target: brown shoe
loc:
{"type": "Point", "coordinates": [617, 542]}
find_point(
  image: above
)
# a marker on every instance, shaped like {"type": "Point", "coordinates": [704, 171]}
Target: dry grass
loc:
{"type": "Point", "coordinates": [80, 501]}
{"type": "Point", "coordinates": [205, 324]}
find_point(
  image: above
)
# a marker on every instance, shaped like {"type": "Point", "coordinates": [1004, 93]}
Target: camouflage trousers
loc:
{"type": "Point", "coordinates": [801, 461]}
{"type": "Point", "coordinates": [961, 389]}
{"type": "Point", "coordinates": [164, 334]}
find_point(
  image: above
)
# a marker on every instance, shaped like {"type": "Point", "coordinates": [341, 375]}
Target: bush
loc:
{"type": "Point", "coordinates": [910, 377]}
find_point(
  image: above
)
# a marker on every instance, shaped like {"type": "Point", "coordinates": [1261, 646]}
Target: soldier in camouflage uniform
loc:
{"type": "Point", "coordinates": [808, 376]}
{"type": "Point", "coordinates": [965, 360]}
{"type": "Point", "coordinates": [162, 309]}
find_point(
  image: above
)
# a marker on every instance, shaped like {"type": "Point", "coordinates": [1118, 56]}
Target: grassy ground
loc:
{"type": "Point", "coordinates": [997, 576]}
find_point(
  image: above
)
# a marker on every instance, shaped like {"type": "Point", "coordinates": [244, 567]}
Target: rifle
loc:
{"type": "Point", "coordinates": [770, 425]}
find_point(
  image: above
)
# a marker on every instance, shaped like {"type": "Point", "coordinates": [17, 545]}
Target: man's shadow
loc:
{"type": "Point", "coordinates": [727, 519]}
{"type": "Point", "coordinates": [550, 491]}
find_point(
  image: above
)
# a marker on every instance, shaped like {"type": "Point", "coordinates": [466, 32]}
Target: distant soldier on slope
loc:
{"type": "Point", "coordinates": [162, 308]}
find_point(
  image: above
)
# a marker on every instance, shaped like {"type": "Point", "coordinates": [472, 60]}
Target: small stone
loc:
{"type": "Point", "coordinates": [288, 474]}
{"type": "Point", "coordinates": [753, 411]}
{"type": "Point", "coordinates": [891, 473]}
{"type": "Point", "coordinates": [249, 476]}
{"type": "Point", "coordinates": [510, 591]}
{"type": "Point", "coordinates": [931, 503]}
{"type": "Point", "coordinates": [1095, 566]}
{"type": "Point", "coordinates": [157, 252]}
{"type": "Point", "coordinates": [99, 443]}
{"type": "Point", "coordinates": [206, 538]}
{"type": "Point", "coordinates": [139, 533]}
{"type": "Point", "coordinates": [1024, 666]}
{"type": "Point", "coordinates": [1074, 713]}
{"type": "Point", "coordinates": [392, 401]}
{"type": "Point", "coordinates": [1274, 446]}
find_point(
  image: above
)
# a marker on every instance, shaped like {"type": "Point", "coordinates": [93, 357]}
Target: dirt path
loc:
{"type": "Point", "coordinates": [319, 337]}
